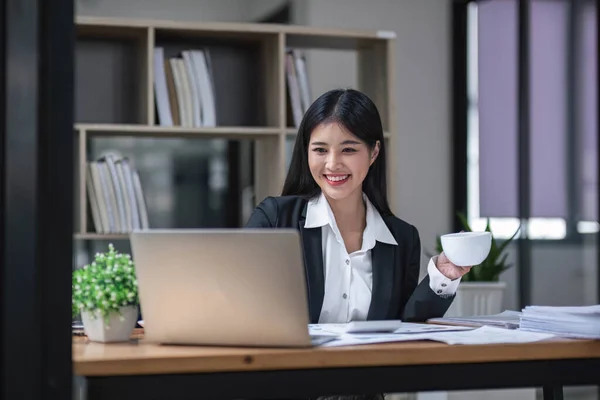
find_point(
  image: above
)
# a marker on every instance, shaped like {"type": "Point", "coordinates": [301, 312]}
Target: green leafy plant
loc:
{"type": "Point", "coordinates": [495, 263]}
{"type": "Point", "coordinates": [105, 285]}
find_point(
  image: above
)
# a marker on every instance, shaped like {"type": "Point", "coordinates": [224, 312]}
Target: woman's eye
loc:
{"type": "Point", "coordinates": [319, 150]}
{"type": "Point", "coordinates": [349, 150]}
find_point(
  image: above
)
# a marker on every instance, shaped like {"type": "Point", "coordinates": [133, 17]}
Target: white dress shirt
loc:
{"type": "Point", "coordinates": [349, 277]}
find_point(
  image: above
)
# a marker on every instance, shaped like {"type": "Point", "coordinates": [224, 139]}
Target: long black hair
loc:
{"type": "Point", "coordinates": [356, 112]}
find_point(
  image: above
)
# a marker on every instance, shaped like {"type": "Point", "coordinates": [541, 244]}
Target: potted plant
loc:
{"type": "Point", "coordinates": [105, 293]}
{"type": "Point", "coordinates": [480, 291]}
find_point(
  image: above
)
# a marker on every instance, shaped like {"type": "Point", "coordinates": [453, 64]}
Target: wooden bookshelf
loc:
{"type": "Point", "coordinates": [115, 94]}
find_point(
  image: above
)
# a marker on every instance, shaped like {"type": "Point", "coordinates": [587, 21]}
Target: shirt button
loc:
{"type": "Point", "coordinates": [347, 262]}
{"type": "Point", "coordinates": [443, 285]}
{"type": "Point", "coordinates": [439, 291]}
{"type": "Point", "coordinates": [345, 296]}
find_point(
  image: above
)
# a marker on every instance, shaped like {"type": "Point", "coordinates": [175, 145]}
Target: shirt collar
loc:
{"type": "Point", "coordinates": [319, 214]}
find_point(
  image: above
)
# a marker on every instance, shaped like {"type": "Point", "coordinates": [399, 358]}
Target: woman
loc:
{"type": "Point", "coordinates": [362, 262]}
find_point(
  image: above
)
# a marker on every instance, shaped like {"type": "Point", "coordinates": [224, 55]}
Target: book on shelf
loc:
{"type": "Point", "coordinates": [115, 195]}
{"type": "Point", "coordinates": [298, 88]}
{"type": "Point", "coordinates": [184, 89]}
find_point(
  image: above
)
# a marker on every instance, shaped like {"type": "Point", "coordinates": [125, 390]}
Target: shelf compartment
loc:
{"type": "Point", "coordinates": [186, 173]}
{"type": "Point", "coordinates": [242, 68]}
{"type": "Point", "coordinates": [111, 75]}
{"type": "Point", "coordinates": [367, 66]}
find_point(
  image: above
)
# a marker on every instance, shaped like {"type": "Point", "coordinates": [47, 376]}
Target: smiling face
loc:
{"type": "Point", "coordinates": [339, 161]}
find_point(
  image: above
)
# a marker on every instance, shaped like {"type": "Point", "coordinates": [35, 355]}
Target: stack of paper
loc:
{"type": "Point", "coordinates": [506, 319]}
{"type": "Point", "coordinates": [483, 335]}
{"type": "Point", "coordinates": [350, 335]}
{"type": "Point", "coordinates": [574, 322]}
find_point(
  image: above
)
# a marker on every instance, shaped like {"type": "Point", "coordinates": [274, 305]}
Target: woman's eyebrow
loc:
{"type": "Point", "coordinates": [349, 141]}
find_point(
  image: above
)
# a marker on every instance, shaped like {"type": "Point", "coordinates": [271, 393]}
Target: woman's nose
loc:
{"type": "Point", "coordinates": [333, 161]}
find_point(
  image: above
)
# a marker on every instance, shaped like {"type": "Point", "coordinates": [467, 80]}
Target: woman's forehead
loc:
{"type": "Point", "coordinates": [332, 133]}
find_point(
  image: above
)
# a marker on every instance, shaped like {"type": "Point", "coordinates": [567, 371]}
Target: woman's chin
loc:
{"type": "Point", "coordinates": [337, 192]}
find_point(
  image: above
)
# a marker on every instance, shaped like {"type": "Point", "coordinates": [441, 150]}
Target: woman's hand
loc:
{"type": "Point", "coordinates": [449, 270]}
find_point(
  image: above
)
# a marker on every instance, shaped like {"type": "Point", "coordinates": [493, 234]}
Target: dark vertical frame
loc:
{"type": "Point", "coordinates": [234, 187]}
{"type": "Point", "coordinates": [37, 186]}
{"type": "Point", "coordinates": [460, 109]}
{"type": "Point", "coordinates": [598, 166]}
{"type": "Point", "coordinates": [21, 324]}
{"type": "Point", "coordinates": [572, 127]}
{"type": "Point", "coordinates": [56, 155]}
{"type": "Point", "coordinates": [523, 132]}
{"type": "Point", "coordinates": [2, 184]}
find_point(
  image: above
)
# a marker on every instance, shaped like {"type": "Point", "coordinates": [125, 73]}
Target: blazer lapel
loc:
{"type": "Point", "coordinates": [383, 278]}
{"type": "Point", "coordinates": [313, 263]}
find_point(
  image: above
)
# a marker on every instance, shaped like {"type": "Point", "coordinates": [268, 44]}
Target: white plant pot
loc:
{"type": "Point", "coordinates": [477, 298]}
{"type": "Point", "coordinates": [116, 330]}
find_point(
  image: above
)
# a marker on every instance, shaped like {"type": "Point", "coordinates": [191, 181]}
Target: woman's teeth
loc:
{"type": "Point", "coordinates": [337, 178]}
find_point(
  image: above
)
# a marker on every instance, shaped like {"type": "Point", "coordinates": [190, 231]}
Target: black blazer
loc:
{"type": "Point", "coordinates": [396, 291]}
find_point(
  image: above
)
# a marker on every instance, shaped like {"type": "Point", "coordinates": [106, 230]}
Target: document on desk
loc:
{"type": "Point", "coordinates": [396, 328]}
{"type": "Point", "coordinates": [483, 335]}
{"type": "Point", "coordinates": [507, 319]}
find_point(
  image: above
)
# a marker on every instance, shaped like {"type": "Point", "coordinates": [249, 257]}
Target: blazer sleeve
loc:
{"type": "Point", "coordinates": [264, 215]}
{"type": "Point", "coordinates": [421, 303]}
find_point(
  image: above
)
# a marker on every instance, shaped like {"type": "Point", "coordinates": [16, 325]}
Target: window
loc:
{"type": "Point", "coordinates": [562, 157]}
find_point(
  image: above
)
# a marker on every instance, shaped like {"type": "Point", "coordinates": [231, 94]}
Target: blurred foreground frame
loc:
{"type": "Point", "coordinates": [36, 164]}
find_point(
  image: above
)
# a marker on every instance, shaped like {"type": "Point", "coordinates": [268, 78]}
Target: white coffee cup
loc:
{"type": "Point", "coordinates": [466, 249]}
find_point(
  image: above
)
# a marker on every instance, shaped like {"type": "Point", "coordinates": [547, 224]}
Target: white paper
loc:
{"type": "Point", "coordinates": [321, 329]}
{"type": "Point", "coordinates": [384, 326]}
{"type": "Point", "coordinates": [380, 328]}
{"type": "Point", "coordinates": [491, 335]}
{"type": "Point", "coordinates": [573, 322]}
{"type": "Point", "coordinates": [483, 335]}
{"type": "Point", "coordinates": [414, 328]}
{"type": "Point", "coordinates": [353, 340]}
{"type": "Point", "coordinates": [583, 310]}
{"type": "Point", "coordinates": [507, 319]}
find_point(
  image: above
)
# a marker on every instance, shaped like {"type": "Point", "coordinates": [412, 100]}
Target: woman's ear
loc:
{"type": "Point", "coordinates": [374, 153]}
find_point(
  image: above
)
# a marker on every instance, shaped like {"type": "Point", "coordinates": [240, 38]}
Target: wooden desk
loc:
{"type": "Point", "coordinates": [122, 371]}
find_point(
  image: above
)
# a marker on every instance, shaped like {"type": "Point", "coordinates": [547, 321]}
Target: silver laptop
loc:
{"type": "Point", "coordinates": [234, 287]}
